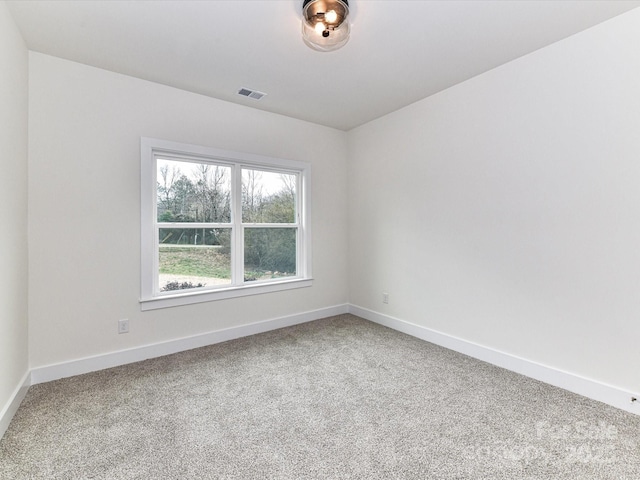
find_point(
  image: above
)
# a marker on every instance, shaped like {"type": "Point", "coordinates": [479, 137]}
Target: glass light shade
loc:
{"type": "Point", "coordinates": [333, 15]}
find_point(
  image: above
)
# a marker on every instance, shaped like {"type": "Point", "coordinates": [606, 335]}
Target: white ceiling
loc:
{"type": "Point", "coordinates": [400, 51]}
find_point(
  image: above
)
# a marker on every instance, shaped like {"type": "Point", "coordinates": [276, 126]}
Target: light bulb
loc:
{"type": "Point", "coordinates": [319, 28]}
{"type": "Point", "coordinates": [331, 16]}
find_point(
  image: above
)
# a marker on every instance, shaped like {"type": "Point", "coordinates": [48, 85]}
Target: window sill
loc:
{"type": "Point", "coordinates": [188, 298]}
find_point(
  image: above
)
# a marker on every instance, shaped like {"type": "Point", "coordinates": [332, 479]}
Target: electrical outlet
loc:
{"type": "Point", "coordinates": [385, 297]}
{"type": "Point", "coordinates": [123, 325]}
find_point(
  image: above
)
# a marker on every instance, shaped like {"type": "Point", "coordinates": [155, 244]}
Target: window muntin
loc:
{"type": "Point", "coordinates": [220, 224]}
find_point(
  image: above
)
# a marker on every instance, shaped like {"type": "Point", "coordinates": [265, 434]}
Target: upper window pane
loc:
{"type": "Point", "coordinates": [193, 192]}
{"type": "Point", "coordinates": [268, 197]}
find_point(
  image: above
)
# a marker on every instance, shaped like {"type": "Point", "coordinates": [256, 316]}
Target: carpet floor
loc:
{"type": "Point", "coordinates": [338, 398]}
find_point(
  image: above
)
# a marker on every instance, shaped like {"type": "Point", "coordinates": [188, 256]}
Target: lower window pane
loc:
{"type": "Point", "coordinates": [193, 258]}
{"type": "Point", "coordinates": [269, 253]}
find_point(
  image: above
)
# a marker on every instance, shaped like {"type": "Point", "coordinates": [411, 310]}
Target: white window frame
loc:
{"type": "Point", "coordinates": [151, 298]}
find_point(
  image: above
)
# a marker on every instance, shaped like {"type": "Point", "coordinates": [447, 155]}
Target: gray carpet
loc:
{"type": "Point", "coordinates": [337, 398]}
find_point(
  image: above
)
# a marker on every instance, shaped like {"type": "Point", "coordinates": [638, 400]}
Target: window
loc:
{"type": "Point", "coordinates": [219, 224]}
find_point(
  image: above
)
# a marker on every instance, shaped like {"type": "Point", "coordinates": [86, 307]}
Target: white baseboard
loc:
{"type": "Point", "coordinates": [123, 357]}
{"type": "Point", "coordinates": [10, 409]}
{"type": "Point", "coordinates": [586, 387]}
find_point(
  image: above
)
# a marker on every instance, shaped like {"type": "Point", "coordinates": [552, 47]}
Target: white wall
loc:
{"type": "Point", "coordinates": [506, 210]}
{"type": "Point", "coordinates": [85, 126]}
{"type": "Point", "coordinates": [13, 198]}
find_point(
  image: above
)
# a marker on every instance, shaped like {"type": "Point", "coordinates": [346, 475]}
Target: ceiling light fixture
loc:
{"type": "Point", "coordinates": [324, 24]}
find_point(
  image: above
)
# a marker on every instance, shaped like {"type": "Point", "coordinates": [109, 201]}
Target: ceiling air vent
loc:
{"type": "Point", "coordinates": [251, 93]}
